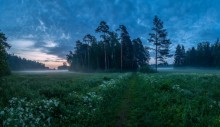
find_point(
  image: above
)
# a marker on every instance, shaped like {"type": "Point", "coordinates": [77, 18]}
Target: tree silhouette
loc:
{"type": "Point", "coordinates": [126, 49]}
{"type": "Point", "coordinates": [204, 55]}
{"type": "Point", "coordinates": [117, 52]}
{"type": "Point", "coordinates": [104, 29]}
{"type": "Point", "coordinates": [4, 68]}
{"type": "Point", "coordinates": [89, 39]}
{"type": "Point", "coordinates": [179, 57]}
{"type": "Point", "coordinates": [159, 38]}
{"type": "Point", "coordinates": [140, 54]}
{"type": "Point", "coordinates": [18, 64]}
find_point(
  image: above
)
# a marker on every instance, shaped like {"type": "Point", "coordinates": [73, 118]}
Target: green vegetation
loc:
{"type": "Point", "coordinates": [4, 68]}
{"type": "Point", "coordinates": [206, 54]}
{"type": "Point", "coordinates": [113, 99]}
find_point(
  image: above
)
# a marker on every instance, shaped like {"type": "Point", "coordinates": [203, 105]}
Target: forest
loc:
{"type": "Point", "coordinates": [114, 50]}
{"type": "Point", "coordinates": [206, 54]}
{"type": "Point", "coordinates": [117, 51]}
{"type": "Point", "coordinates": [18, 64]}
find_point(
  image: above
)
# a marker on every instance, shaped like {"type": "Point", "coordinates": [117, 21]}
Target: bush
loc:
{"type": "Point", "coordinates": [147, 69]}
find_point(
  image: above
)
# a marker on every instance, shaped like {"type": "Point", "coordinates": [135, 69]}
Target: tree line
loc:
{"type": "Point", "coordinates": [115, 50]}
{"type": "Point", "coordinates": [17, 64]}
{"type": "Point", "coordinates": [4, 68]}
{"type": "Point", "coordinates": [10, 62]}
{"type": "Point", "coordinates": [206, 54]}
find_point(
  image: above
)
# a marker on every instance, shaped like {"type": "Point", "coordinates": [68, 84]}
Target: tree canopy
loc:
{"type": "Point", "coordinates": [114, 51]}
{"type": "Point", "coordinates": [206, 54]}
{"type": "Point", "coordinates": [18, 64]}
{"type": "Point", "coordinates": [4, 68]}
{"type": "Point", "coordinates": [158, 38]}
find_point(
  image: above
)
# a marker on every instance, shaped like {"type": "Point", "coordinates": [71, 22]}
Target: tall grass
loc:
{"type": "Point", "coordinates": [99, 100]}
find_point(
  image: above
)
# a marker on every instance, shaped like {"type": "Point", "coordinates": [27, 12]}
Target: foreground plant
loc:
{"type": "Point", "coordinates": [22, 112]}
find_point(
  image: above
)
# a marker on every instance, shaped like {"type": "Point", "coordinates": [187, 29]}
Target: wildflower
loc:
{"type": "Point", "coordinates": [56, 103]}
{"type": "Point", "coordinates": [2, 113]}
{"type": "Point", "coordinates": [37, 120]}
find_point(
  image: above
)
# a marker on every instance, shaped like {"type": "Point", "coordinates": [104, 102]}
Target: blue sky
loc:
{"type": "Point", "coordinates": [45, 30]}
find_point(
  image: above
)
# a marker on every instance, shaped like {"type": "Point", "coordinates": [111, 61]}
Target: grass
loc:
{"type": "Point", "coordinates": [110, 99]}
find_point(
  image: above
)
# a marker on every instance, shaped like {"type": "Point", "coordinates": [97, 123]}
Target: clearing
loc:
{"type": "Point", "coordinates": [110, 99]}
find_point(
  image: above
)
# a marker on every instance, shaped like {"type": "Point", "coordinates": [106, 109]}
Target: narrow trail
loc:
{"type": "Point", "coordinates": [125, 106]}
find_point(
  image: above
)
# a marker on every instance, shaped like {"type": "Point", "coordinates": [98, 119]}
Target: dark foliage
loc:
{"type": "Point", "coordinates": [180, 54]}
{"type": "Point", "coordinates": [112, 52]}
{"type": "Point", "coordinates": [205, 55]}
{"type": "Point", "coordinates": [159, 38]}
{"type": "Point", "coordinates": [146, 69]}
{"type": "Point", "coordinates": [63, 67]}
{"type": "Point", "coordinates": [4, 68]}
{"type": "Point", "coordinates": [17, 64]}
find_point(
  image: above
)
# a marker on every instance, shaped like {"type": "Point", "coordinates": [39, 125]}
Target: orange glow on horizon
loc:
{"type": "Point", "coordinates": [53, 65]}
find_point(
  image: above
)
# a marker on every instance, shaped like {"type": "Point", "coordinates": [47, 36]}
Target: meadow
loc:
{"type": "Point", "coordinates": [110, 99]}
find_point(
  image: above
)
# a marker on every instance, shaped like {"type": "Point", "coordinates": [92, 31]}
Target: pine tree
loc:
{"type": "Point", "coordinates": [126, 49]}
{"type": "Point", "coordinates": [4, 68]}
{"type": "Point", "coordinates": [141, 55]}
{"type": "Point", "coordinates": [89, 39]}
{"type": "Point", "coordinates": [183, 55]}
{"type": "Point", "coordinates": [216, 53]}
{"type": "Point", "coordinates": [115, 48]}
{"type": "Point", "coordinates": [104, 29]}
{"type": "Point", "coordinates": [179, 57]}
{"type": "Point", "coordinates": [117, 52]}
{"type": "Point", "coordinates": [159, 38]}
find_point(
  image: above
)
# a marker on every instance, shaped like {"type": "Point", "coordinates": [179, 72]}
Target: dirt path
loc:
{"type": "Point", "coordinates": [124, 108]}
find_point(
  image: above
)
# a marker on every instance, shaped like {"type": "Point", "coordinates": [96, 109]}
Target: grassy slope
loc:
{"type": "Point", "coordinates": [164, 99]}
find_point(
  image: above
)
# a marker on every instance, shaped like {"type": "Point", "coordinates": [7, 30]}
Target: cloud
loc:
{"type": "Point", "coordinates": [52, 27]}
{"type": "Point", "coordinates": [50, 44]}
{"type": "Point", "coordinates": [27, 49]}
{"type": "Point", "coordinates": [65, 36]}
{"type": "Point", "coordinates": [22, 43]}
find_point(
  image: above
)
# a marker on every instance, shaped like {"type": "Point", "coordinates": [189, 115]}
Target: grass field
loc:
{"type": "Point", "coordinates": [110, 99]}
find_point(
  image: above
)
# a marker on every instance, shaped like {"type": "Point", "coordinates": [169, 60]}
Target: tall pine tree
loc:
{"type": "Point", "coordinates": [104, 29]}
{"type": "Point", "coordinates": [126, 49]}
{"type": "Point", "coordinates": [159, 38]}
{"type": "Point", "coordinates": [89, 39]}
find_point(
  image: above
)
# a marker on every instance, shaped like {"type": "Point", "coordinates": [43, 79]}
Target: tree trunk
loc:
{"type": "Point", "coordinates": [156, 52]}
{"type": "Point", "coordinates": [105, 56]}
{"type": "Point", "coordinates": [156, 58]}
{"type": "Point", "coordinates": [121, 57]}
{"type": "Point", "coordinates": [88, 56]}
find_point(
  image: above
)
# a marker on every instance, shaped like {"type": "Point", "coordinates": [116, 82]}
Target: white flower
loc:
{"type": "Point", "coordinates": [37, 120]}
{"type": "Point", "coordinates": [48, 120]}
{"type": "Point", "coordinates": [2, 113]}
{"type": "Point", "coordinates": [56, 103]}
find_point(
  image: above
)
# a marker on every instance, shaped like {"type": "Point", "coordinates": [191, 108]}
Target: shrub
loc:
{"type": "Point", "coordinates": [146, 69]}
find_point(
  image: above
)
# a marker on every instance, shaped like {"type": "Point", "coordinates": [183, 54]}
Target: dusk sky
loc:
{"type": "Point", "coordinates": [45, 30]}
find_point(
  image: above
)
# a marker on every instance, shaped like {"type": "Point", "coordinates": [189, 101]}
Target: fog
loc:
{"type": "Point", "coordinates": [42, 71]}
{"type": "Point", "coordinates": [160, 69]}
{"type": "Point", "coordinates": [189, 70]}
